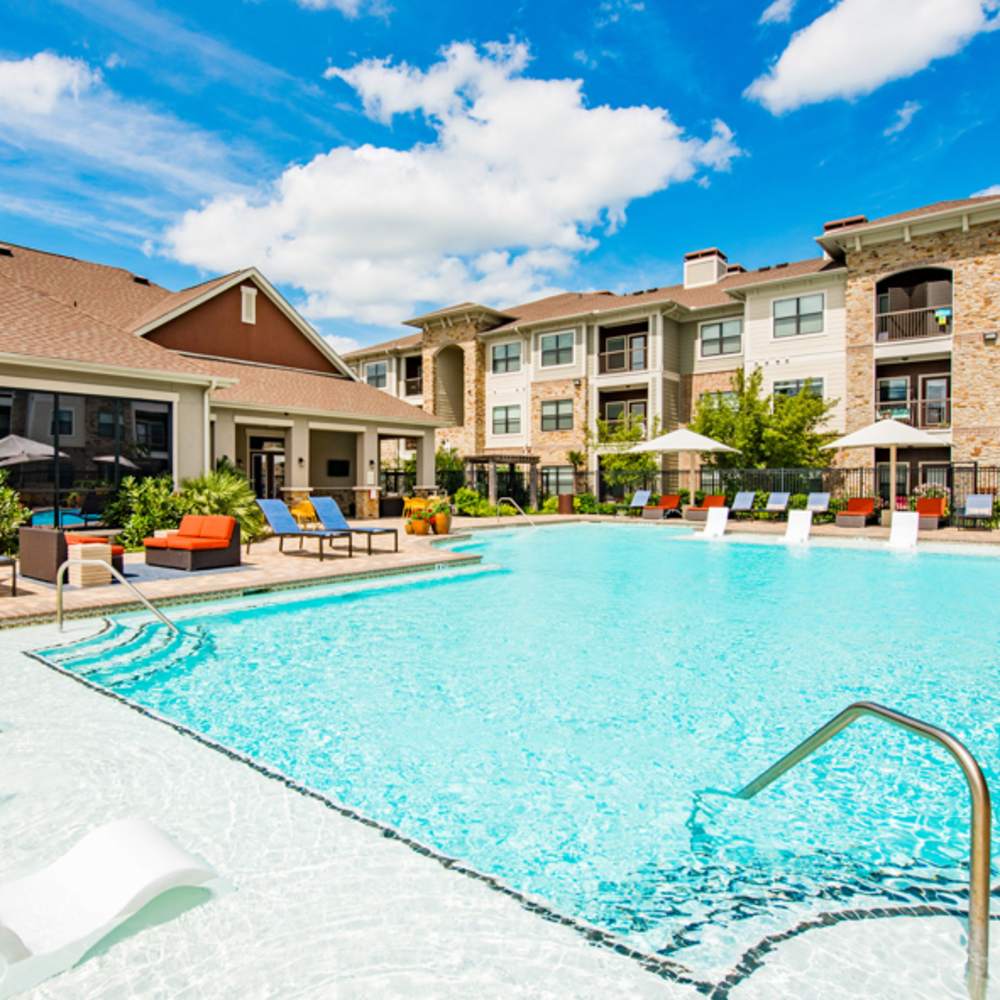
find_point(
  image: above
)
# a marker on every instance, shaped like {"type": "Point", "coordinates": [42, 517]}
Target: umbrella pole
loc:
{"type": "Point", "coordinates": [691, 477]}
{"type": "Point", "coordinates": [892, 482]}
{"type": "Point", "coordinates": [55, 459]}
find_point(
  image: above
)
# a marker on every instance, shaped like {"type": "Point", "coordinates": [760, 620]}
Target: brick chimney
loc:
{"type": "Point", "coordinates": [704, 267]}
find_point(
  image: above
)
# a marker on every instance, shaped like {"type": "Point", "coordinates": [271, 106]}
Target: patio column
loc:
{"type": "Point", "coordinates": [225, 436]}
{"type": "Point", "coordinates": [298, 459]}
{"type": "Point", "coordinates": [426, 470]}
{"type": "Point", "coordinates": [491, 480]}
{"type": "Point", "coordinates": [366, 488]}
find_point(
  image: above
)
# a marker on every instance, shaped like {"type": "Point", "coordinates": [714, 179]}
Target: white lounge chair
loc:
{"type": "Point", "coordinates": [818, 503]}
{"type": "Point", "coordinates": [715, 522]}
{"type": "Point", "coordinates": [50, 919]}
{"type": "Point", "coordinates": [799, 526]}
{"type": "Point", "coordinates": [903, 534]}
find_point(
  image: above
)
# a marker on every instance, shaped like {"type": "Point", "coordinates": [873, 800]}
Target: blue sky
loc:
{"type": "Point", "coordinates": [377, 159]}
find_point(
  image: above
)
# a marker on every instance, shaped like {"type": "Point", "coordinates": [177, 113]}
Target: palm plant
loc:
{"type": "Point", "coordinates": [224, 491]}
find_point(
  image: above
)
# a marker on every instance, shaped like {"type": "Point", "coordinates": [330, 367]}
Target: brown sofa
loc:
{"type": "Point", "coordinates": [43, 550]}
{"type": "Point", "coordinates": [203, 541]}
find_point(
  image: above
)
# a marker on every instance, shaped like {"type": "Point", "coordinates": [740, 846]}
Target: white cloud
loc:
{"type": "Point", "coordinates": [521, 178]}
{"type": "Point", "coordinates": [34, 87]}
{"type": "Point", "coordinates": [612, 11]}
{"type": "Point", "coordinates": [859, 45]}
{"type": "Point", "coordinates": [904, 116]}
{"type": "Point", "coordinates": [342, 344]}
{"type": "Point", "coordinates": [993, 189]}
{"type": "Point", "coordinates": [349, 8]}
{"type": "Point", "coordinates": [778, 12]}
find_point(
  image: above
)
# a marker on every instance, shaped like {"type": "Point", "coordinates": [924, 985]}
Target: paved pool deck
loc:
{"type": "Point", "coordinates": [325, 904]}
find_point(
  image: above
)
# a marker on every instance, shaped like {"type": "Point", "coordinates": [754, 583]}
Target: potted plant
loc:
{"type": "Point", "coordinates": [419, 522]}
{"type": "Point", "coordinates": [440, 514]}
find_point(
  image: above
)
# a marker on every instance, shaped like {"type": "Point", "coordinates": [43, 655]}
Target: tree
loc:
{"type": "Point", "coordinates": [619, 466]}
{"type": "Point", "coordinates": [766, 431]}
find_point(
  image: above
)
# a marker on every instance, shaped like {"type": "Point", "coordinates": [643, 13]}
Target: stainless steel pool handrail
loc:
{"type": "Point", "coordinates": [61, 579]}
{"type": "Point", "coordinates": [517, 507]}
{"type": "Point", "coordinates": [977, 969]}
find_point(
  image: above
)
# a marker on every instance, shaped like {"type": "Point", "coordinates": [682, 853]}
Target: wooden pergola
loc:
{"type": "Point", "coordinates": [492, 461]}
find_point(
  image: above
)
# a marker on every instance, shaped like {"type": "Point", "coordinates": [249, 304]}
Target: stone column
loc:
{"type": "Point", "coordinates": [533, 486]}
{"type": "Point", "coordinates": [491, 479]}
{"type": "Point", "coordinates": [366, 487]}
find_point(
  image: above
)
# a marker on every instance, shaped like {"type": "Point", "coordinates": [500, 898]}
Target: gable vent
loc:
{"type": "Point", "coordinates": [140, 280]}
{"type": "Point", "coordinates": [6, 252]}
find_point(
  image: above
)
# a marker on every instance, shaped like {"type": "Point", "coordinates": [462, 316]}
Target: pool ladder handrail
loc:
{"type": "Point", "coordinates": [977, 969]}
{"type": "Point", "coordinates": [61, 579]}
{"type": "Point", "coordinates": [517, 507]}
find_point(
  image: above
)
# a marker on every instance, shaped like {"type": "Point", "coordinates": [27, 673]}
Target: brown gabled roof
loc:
{"type": "Point", "coordinates": [291, 389]}
{"type": "Point", "coordinates": [386, 346]}
{"type": "Point", "coordinates": [915, 213]}
{"type": "Point", "coordinates": [35, 324]}
{"type": "Point", "coordinates": [457, 309]}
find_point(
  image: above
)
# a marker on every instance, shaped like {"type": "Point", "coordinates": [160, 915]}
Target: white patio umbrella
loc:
{"type": "Point", "coordinates": [17, 450]}
{"type": "Point", "coordinates": [682, 440]}
{"type": "Point", "coordinates": [891, 434]}
{"type": "Point", "coordinates": [124, 462]}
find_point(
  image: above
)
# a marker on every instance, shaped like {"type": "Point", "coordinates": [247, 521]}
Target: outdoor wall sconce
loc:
{"type": "Point", "coordinates": [302, 461]}
{"type": "Point", "coordinates": [990, 337]}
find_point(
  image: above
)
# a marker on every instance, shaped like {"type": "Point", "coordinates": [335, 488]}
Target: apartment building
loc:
{"type": "Point", "coordinates": [897, 317]}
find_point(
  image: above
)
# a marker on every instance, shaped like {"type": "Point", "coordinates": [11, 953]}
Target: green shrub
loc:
{"type": "Point", "coordinates": [550, 506]}
{"type": "Point", "coordinates": [467, 501]}
{"type": "Point", "coordinates": [142, 506]}
{"type": "Point", "coordinates": [12, 515]}
{"type": "Point", "coordinates": [607, 508]}
{"type": "Point", "coordinates": [585, 503]}
{"type": "Point", "coordinates": [223, 492]}
{"type": "Point", "coordinates": [797, 501]}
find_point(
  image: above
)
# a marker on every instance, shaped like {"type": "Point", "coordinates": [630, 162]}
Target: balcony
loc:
{"type": "Point", "coordinates": [912, 324]}
{"type": "Point", "coordinates": [927, 414]}
{"type": "Point", "coordinates": [413, 386]}
{"type": "Point", "coordinates": [624, 350]}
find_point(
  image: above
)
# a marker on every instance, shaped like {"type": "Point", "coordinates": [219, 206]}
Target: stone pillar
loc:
{"type": "Point", "coordinates": [225, 437]}
{"type": "Point", "coordinates": [533, 486]}
{"type": "Point", "coordinates": [491, 479]}
{"type": "Point", "coordinates": [297, 459]}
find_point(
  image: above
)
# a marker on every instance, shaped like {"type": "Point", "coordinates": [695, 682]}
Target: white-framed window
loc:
{"type": "Point", "coordinates": [64, 418]}
{"type": "Point", "coordinates": [377, 373]}
{"type": "Point", "coordinates": [793, 386]}
{"type": "Point", "coordinates": [507, 419]}
{"type": "Point", "coordinates": [616, 411]}
{"type": "Point", "coordinates": [798, 316]}
{"type": "Point", "coordinates": [557, 415]}
{"type": "Point", "coordinates": [248, 304]}
{"type": "Point", "coordinates": [505, 358]}
{"type": "Point", "coordinates": [724, 396]}
{"type": "Point", "coordinates": [557, 479]}
{"type": "Point", "coordinates": [725, 336]}
{"type": "Point", "coordinates": [557, 349]}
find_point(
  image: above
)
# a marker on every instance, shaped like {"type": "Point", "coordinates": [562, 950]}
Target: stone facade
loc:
{"type": "Point", "coordinates": [973, 257]}
{"type": "Point", "coordinates": [552, 446]}
{"type": "Point", "coordinates": [693, 386]}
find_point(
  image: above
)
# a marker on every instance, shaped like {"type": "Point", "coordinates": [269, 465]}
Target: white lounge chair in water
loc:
{"type": "Point", "coordinates": [715, 522]}
{"type": "Point", "coordinates": [799, 526]}
{"type": "Point", "coordinates": [903, 534]}
{"type": "Point", "coordinates": [50, 919]}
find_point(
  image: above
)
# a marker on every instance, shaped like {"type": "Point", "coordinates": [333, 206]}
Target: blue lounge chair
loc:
{"type": "Point", "coordinates": [331, 517]}
{"type": "Point", "coordinates": [978, 510]}
{"type": "Point", "coordinates": [777, 503]}
{"type": "Point", "coordinates": [743, 502]}
{"type": "Point", "coordinates": [639, 500]}
{"type": "Point", "coordinates": [818, 503]}
{"type": "Point", "coordinates": [283, 525]}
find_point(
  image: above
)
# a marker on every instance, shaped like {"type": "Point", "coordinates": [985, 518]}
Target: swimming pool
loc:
{"type": "Point", "coordinates": [572, 723]}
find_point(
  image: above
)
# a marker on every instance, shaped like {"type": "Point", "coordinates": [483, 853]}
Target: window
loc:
{"type": "Point", "coordinates": [557, 479]}
{"type": "Point", "coordinates": [506, 358]}
{"type": "Point", "coordinates": [726, 396]}
{"type": "Point", "coordinates": [793, 386]}
{"type": "Point", "coordinates": [151, 429]}
{"type": "Point", "coordinates": [65, 423]}
{"type": "Point", "coordinates": [557, 415]}
{"type": "Point", "coordinates": [6, 412]}
{"type": "Point", "coordinates": [557, 349]}
{"type": "Point", "coordinates": [801, 315]}
{"type": "Point", "coordinates": [106, 424]}
{"type": "Point", "coordinates": [413, 375]}
{"type": "Point", "coordinates": [248, 304]}
{"type": "Point", "coordinates": [623, 352]}
{"type": "Point", "coordinates": [376, 374]}
{"type": "Point", "coordinates": [724, 337]}
{"type": "Point", "coordinates": [506, 419]}
{"type": "Point", "coordinates": [617, 410]}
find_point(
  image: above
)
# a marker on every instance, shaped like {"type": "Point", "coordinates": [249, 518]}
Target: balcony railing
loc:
{"type": "Point", "coordinates": [612, 362]}
{"type": "Point", "coordinates": [911, 324]}
{"type": "Point", "coordinates": [413, 386]}
{"type": "Point", "coordinates": [926, 413]}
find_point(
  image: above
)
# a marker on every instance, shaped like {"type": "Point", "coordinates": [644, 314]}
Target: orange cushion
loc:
{"type": "Point", "coordinates": [193, 544]}
{"type": "Point", "coordinates": [860, 505]}
{"type": "Point", "coordinates": [155, 543]}
{"type": "Point", "coordinates": [191, 525]}
{"type": "Point", "coordinates": [931, 506]}
{"type": "Point", "coordinates": [217, 526]}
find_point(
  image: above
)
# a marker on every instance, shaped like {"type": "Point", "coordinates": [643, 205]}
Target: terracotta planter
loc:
{"type": "Point", "coordinates": [442, 523]}
{"type": "Point", "coordinates": [420, 527]}
{"type": "Point", "coordinates": [408, 528]}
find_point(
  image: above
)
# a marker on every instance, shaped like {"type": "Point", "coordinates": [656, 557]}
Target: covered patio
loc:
{"type": "Point", "coordinates": [504, 475]}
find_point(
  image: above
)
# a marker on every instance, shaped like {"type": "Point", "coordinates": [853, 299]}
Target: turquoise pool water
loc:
{"type": "Point", "coordinates": [572, 724]}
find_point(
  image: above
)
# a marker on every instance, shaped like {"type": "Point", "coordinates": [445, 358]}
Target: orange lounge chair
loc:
{"type": "Point", "coordinates": [203, 541]}
{"type": "Point", "coordinates": [857, 512]}
{"type": "Point", "coordinates": [931, 511]}
{"type": "Point", "coordinates": [700, 513]}
{"type": "Point", "coordinates": [669, 503]}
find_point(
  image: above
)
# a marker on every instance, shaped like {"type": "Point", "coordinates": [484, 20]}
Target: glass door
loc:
{"type": "Point", "coordinates": [935, 400]}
